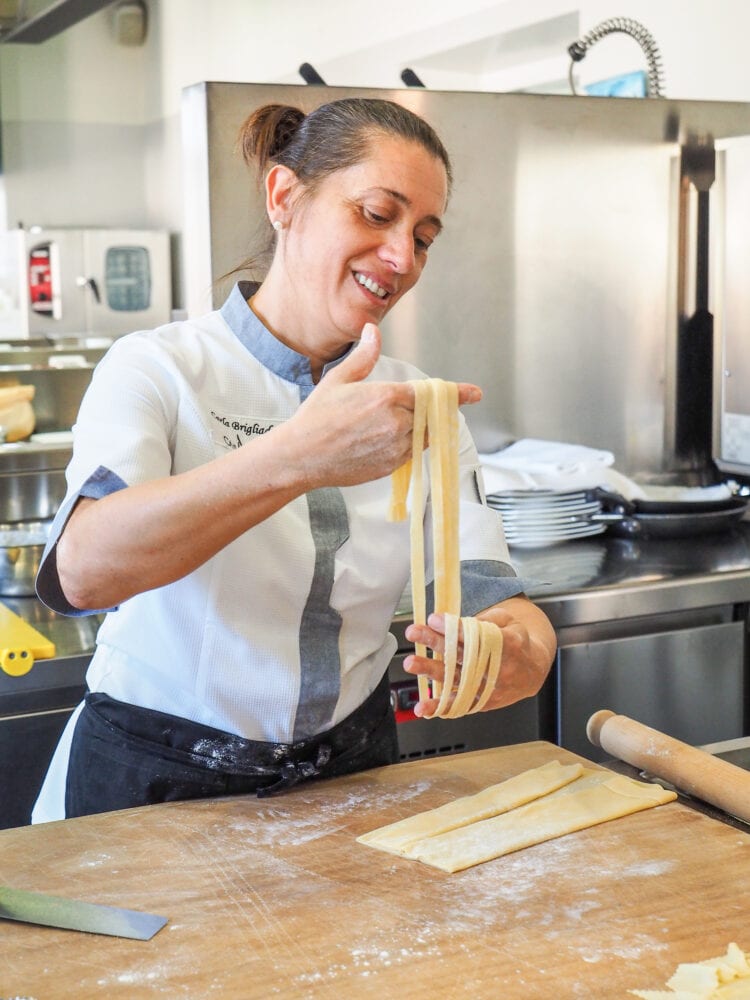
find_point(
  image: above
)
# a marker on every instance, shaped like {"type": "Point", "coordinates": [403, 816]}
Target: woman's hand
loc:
{"type": "Point", "coordinates": [351, 431]}
{"type": "Point", "coordinates": [529, 646]}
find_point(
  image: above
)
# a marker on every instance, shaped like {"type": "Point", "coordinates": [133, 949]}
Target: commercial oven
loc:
{"type": "Point", "coordinates": [57, 282]}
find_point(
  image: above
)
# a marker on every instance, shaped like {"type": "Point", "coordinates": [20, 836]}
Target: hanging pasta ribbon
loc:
{"type": "Point", "coordinates": [466, 688]}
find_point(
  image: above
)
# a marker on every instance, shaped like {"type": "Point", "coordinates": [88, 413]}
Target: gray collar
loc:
{"type": "Point", "coordinates": [262, 344]}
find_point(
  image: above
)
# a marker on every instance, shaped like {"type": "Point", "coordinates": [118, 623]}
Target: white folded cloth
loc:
{"type": "Point", "coordinates": [719, 491]}
{"type": "Point", "coordinates": [535, 464]}
{"type": "Point", "coordinates": [533, 455]}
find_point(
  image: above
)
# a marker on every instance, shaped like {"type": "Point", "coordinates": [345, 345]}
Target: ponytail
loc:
{"type": "Point", "coordinates": [267, 132]}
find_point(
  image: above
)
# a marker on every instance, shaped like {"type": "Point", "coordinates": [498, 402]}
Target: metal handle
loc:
{"type": "Point", "coordinates": [90, 283]}
{"type": "Point", "coordinates": [604, 518]}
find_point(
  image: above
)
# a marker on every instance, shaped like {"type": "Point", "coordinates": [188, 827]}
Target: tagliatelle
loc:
{"type": "Point", "coordinates": [436, 412]}
{"type": "Point", "coordinates": [470, 679]}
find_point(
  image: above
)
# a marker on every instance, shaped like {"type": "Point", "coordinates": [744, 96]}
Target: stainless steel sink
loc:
{"type": "Point", "coordinates": [734, 751]}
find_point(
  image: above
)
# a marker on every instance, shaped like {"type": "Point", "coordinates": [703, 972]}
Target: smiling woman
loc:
{"type": "Point", "coordinates": [356, 197]}
{"type": "Point", "coordinates": [229, 490]}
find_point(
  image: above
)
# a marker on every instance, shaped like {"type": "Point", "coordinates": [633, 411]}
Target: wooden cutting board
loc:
{"type": "Point", "coordinates": [274, 898]}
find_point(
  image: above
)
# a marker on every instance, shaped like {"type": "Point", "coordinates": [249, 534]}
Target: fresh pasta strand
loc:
{"type": "Point", "coordinates": [450, 658]}
{"type": "Point", "coordinates": [442, 399]}
{"type": "Point", "coordinates": [399, 491]}
{"type": "Point", "coordinates": [493, 636]}
{"type": "Point", "coordinates": [470, 679]}
{"type": "Point", "coordinates": [416, 534]}
{"type": "Point", "coordinates": [436, 411]}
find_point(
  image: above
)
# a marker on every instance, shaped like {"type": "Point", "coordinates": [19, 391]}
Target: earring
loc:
{"type": "Point", "coordinates": [278, 225]}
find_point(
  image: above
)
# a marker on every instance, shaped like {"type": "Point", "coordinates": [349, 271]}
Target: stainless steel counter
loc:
{"type": "Point", "coordinates": [62, 676]}
{"type": "Point", "coordinates": [607, 578]}
{"type": "Point", "coordinates": [655, 629]}
{"type": "Point", "coordinates": [72, 637]}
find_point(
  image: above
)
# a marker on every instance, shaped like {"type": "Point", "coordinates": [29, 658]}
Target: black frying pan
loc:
{"type": "Point", "coordinates": [667, 518]}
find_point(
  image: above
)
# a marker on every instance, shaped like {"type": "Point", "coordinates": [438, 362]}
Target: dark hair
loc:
{"type": "Point", "coordinates": [332, 137]}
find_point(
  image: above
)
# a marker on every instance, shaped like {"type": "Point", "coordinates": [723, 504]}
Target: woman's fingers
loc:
{"type": "Point", "coordinates": [424, 665]}
{"type": "Point", "coordinates": [509, 684]}
{"type": "Point", "coordinates": [432, 636]}
{"type": "Point", "coordinates": [352, 429]}
{"type": "Point", "coordinates": [426, 709]}
{"type": "Point", "coordinates": [468, 393]}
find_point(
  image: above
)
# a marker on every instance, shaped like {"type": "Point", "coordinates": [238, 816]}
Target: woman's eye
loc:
{"type": "Point", "coordinates": [373, 216]}
{"type": "Point", "coordinates": [423, 242]}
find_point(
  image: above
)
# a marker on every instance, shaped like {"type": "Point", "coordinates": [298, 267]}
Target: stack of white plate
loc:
{"type": "Point", "coordinates": [545, 517]}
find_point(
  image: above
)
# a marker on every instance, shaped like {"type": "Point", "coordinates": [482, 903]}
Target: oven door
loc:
{"type": "Point", "coordinates": [126, 279]}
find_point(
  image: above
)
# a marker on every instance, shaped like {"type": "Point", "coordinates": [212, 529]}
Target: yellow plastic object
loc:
{"type": "Point", "coordinates": [20, 644]}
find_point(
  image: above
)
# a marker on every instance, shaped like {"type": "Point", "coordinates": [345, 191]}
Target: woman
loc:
{"type": "Point", "coordinates": [228, 492]}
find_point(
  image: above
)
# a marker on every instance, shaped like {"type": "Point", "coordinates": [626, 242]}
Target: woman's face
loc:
{"type": "Point", "coordinates": [360, 241]}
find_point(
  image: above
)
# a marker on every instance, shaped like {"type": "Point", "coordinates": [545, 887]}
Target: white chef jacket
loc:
{"type": "Point", "coordinates": [285, 631]}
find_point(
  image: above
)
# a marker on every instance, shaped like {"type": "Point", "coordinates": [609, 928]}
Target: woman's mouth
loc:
{"type": "Point", "coordinates": [371, 286]}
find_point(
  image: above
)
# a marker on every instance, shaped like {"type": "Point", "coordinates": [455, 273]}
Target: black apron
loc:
{"type": "Point", "coordinates": [123, 755]}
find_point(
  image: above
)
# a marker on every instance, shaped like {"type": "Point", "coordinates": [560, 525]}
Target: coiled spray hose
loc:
{"type": "Point", "coordinates": [636, 30]}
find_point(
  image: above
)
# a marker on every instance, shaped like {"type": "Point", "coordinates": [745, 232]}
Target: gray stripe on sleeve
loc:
{"type": "Point", "coordinates": [484, 582]}
{"type": "Point", "coordinates": [100, 483]}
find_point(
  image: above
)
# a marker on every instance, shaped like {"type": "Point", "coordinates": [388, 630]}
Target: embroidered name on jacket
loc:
{"type": "Point", "coordinates": [232, 431]}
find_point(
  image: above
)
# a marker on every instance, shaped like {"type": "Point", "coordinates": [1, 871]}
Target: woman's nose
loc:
{"type": "Point", "coordinates": [398, 251]}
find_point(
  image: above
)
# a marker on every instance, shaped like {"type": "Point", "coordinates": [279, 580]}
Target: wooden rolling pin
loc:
{"type": "Point", "coordinates": [687, 768]}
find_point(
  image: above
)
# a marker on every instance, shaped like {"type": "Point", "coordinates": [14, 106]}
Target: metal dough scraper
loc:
{"type": "Point", "coordinates": [74, 915]}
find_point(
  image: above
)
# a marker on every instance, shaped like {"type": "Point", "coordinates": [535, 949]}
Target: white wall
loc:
{"type": "Point", "coordinates": [90, 127]}
{"type": "Point", "coordinates": [704, 42]}
{"type": "Point", "coordinates": [74, 111]}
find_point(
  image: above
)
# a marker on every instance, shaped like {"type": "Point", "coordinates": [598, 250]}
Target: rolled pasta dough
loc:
{"type": "Point", "coordinates": [595, 797]}
{"type": "Point", "coordinates": [534, 806]}
{"type": "Point", "coordinates": [499, 798]}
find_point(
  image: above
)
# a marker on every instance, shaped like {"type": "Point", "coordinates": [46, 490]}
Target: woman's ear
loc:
{"type": "Point", "coordinates": [280, 184]}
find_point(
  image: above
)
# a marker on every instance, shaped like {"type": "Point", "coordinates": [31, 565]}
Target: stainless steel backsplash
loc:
{"type": "Point", "coordinates": [554, 285]}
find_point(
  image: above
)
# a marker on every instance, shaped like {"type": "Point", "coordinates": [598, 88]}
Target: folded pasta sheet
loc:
{"type": "Point", "coordinates": [589, 798]}
{"type": "Point", "coordinates": [499, 798]}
